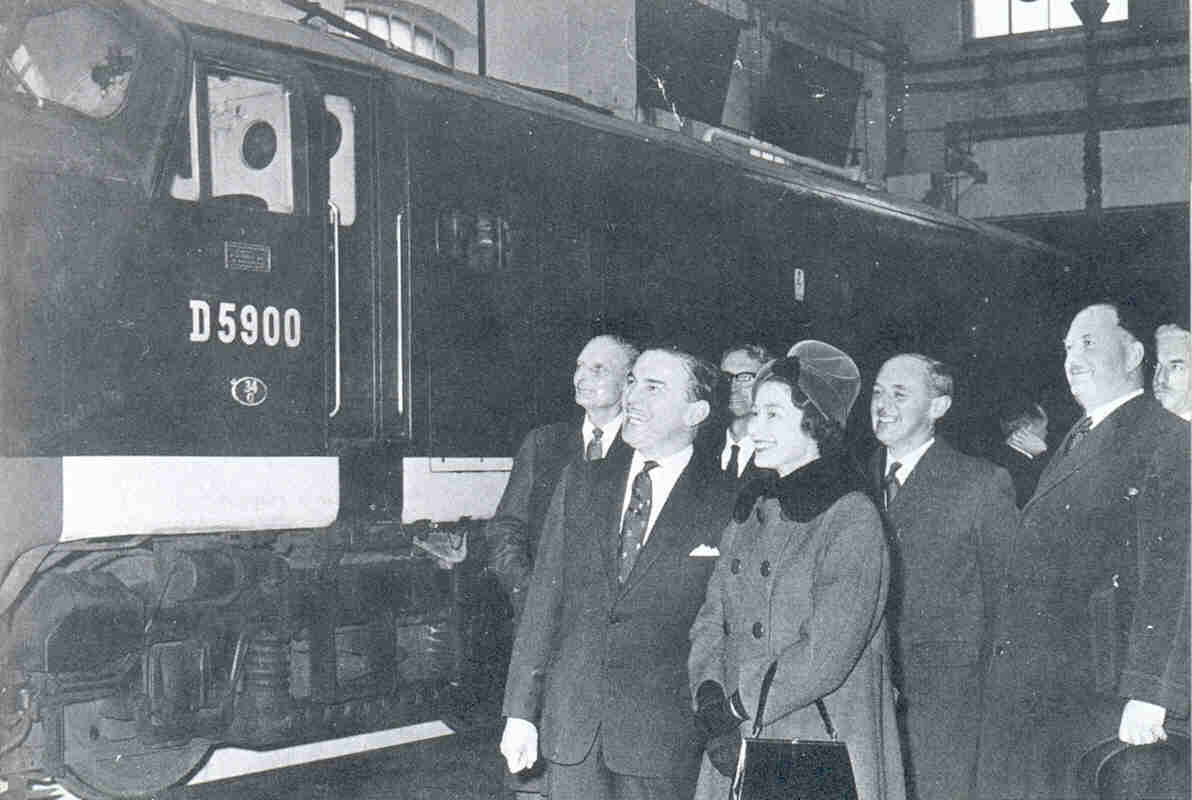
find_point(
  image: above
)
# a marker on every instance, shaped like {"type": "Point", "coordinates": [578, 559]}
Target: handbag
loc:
{"type": "Point", "coordinates": [792, 769]}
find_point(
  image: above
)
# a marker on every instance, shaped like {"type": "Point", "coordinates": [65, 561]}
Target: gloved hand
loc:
{"type": "Point", "coordinates": [716, 714]}
{"type": "Point", "coordinates": [718, 719]}
{"type": "Point", "coordinates": [723, 751]}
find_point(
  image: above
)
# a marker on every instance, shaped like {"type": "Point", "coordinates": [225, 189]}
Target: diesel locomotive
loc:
{"type": "Point", "coordinates": [277, 303]}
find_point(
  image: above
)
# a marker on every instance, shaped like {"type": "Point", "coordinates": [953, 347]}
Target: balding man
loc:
{"type": "Point", "coordinates": [1173, 349]}
{"type": "Point", "coordinates": [513, 532]}
{"type": "Point", "coordinates": [1090, 634]}
{"type": "Point", "coordinates": [948, 516]}
{"type": "Point", "coordinates": [599, 380]}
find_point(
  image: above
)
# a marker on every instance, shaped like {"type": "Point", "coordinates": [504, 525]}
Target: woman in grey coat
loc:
{"type": "Point", "coordinates": [801, 580]}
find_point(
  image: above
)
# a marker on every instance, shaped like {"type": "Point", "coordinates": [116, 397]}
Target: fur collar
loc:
{"type": "Point", "coordinates": [804, 494]}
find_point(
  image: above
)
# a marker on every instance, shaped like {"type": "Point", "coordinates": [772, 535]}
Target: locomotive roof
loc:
{"type": "Point", "coordinates": [291, 34]}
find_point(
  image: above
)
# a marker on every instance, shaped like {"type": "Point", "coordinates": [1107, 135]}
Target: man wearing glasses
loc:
{"type": "Point", "coordinates": [738, 369]}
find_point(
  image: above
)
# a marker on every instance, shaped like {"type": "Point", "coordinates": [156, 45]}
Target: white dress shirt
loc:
{"type": "Point", "coordinates": [608, 432]}
{"type": "Point", "coordinates": [1098, 414]}
{"type": "Point", "coordinates": [662, 479]}
{"type": "Point", "coordinates": [907, 464]}
{"type": "Point", "coordinates": [743, 455]}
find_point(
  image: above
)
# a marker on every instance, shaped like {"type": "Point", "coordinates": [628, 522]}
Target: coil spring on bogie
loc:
{"type": "Point", "coordinates": [267, 665]}
{"type": "Point", "coordinates": [263, 707]}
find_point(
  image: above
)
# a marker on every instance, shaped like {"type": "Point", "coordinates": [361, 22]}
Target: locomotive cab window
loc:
{"type": "Point", "coordinates": [80, 57]}
{"type": "Point", "coordinates": [245, 124]}
{"type": "Point", "coordinates": [339, 147]}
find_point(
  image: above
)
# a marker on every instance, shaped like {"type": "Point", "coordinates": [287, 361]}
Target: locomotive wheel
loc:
{"type": "Point", "coordinates": [100, 769]}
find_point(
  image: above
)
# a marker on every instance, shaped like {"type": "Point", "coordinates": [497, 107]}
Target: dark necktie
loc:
{"type": "Point", "coordinates": [594, 452]}
{"type": "Point", "coordinates": [890, 484]}
{"type": "Point", "coordinates": [733, 463]}
{"type": "Point", "coordinates": [1079, 432]}
{"type": "Point", "coordinates": [637, 517]}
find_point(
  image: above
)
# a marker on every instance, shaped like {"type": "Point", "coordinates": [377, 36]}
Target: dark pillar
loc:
{"type": "Point", "coordinates": [1090, 13]}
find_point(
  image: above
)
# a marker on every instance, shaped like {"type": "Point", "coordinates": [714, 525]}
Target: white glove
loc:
{"type": "Point", "coordinates": [1142, 723]}
{"type": "Point", "coordinates": [519, 744]}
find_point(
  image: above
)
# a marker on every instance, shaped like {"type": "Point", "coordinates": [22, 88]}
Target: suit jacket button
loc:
{"type": "Point", "coordinates": [615, 619]}
{"type": "Point", "coordinates": [736, 566]}
{"type": "Point", "coordinates": [758, 630]}
{"type": "Point", "coordinates": [727, 629]}
{"type": "Point", "coordinates": [765, 569]}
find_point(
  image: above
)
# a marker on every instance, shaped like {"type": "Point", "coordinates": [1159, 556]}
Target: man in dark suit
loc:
{"type": "Point", "coordinates": [948, 516]}
{"type": "Point", "coordinates": [599, 665]}
{"type": "Point", "coordinates": [600, 372]}
{"type": "Point", "coordinates": [514, 529]}
{"type": "Point", "coordinates": [1091, 628]}
{"type": "Point", "coordinates": [1171, 385]}
{"type": "Point", "coordinates": [1023, 453]}
{"type": "Point", "coordinates": [738, 370]}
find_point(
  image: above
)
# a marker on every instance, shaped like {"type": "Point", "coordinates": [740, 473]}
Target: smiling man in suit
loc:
{"type": "Point", "coordinates": [1090, 637]}
{"type": "Point", "coordinates": [601, 369]}
{"type": "Point", "coordinates": [948, 516]}
{"type": "Point", "coordinates": [599, 666]}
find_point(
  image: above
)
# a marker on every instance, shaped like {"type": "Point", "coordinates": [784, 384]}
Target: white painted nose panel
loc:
{"type": "Point", "coordinates": [136, 495]}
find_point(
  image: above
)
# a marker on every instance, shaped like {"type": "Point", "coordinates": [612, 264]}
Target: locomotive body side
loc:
{"type": "Point", "coordinates": [270, 298]}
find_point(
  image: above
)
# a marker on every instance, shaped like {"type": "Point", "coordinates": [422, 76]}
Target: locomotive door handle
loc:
{"type": "Point", "coordinates": [398, 337]}
{"type": "Point", "coordinates": [334, 217]}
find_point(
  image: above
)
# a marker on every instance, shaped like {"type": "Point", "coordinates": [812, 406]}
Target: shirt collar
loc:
{"type": "Point", "coordinates": [1098, 414]}
{"type": "Point", "coordinates": [608, 431]}
{"type": "Point", "coordinates": [907, 464]}
{"type": "Point", "coordinates": [1020, 450]}
{"type": "Point", "coordinates": [669, 465]}
{"type": "Point", "coordinates": [746, 452]}
{"type": "Point", "coordinates": [662, 480]}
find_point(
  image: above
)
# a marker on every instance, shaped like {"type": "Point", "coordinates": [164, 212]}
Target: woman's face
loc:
{"type": "Point", "coordinates": [777, 430]}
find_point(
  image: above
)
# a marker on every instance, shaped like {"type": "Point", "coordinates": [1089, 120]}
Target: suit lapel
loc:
{"type": "Point", "coordinates": [610, 476]}
{"type": "Point", "coordinates": [924, 474]}
{"type": "Point", "coordinates": [877, 464]}
{"type": "Point", "coordinates": [673, 525]}
{"type": "Point", "coordinates": [1062, 467]}
{"type": "Point", "coordinates": [577, 440]}
{"type": "Point", "coordinates": [619, 449]}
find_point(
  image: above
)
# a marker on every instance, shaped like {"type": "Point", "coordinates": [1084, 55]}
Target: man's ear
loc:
{"type": "Point", "coordinates": [939, 406]}
{"type": "Point", "coordinates": [696, 413]}
{"type": "Point", "coordinates": [1135, 352]}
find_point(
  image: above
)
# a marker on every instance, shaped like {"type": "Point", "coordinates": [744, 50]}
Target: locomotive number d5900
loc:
{"type": "Point", "coordinates": [250, 326]}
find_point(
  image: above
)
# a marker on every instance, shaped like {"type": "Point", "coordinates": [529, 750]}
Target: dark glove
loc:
{"type": "Point", "coordinates": [723, 751]}
{"type": "Point", "coordinates": [716, 714]}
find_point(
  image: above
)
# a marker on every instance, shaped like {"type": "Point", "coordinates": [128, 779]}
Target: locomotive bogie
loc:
{"type": "Point", "coordinates": [150, 655]}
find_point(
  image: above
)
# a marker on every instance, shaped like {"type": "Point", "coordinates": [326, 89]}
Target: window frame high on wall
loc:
{"type": "Point", "coordinates": [1004, 26]}
{"type": "Point", "coordinates": [440, 50]}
